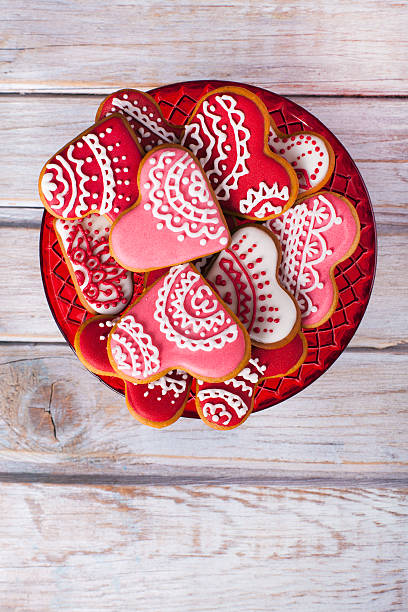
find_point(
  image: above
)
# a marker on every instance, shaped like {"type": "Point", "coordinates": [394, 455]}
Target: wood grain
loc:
{"type": "Point", "coordinates": [373, 130]}
{"type": "Point", "coordinates": [204, 549]}
{"type": "Point", "coordinates": [56, 418]}
{"type": "Point", "coordinates": [25, 316]}
{"type": "Point", "coordinates": [356, 48]}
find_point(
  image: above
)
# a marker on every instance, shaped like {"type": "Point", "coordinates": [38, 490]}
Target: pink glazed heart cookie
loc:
{"type": "Point", "coordinates": [94, 173]}
{"type": "Point", "coordinates": [176, 219]}
{"type": "Point", "coordinates": [228, 404]}
{"type": "Point", "coordinates": [178, 323]}
{"type": "Point", "coordinates": [318, 233]}
{"type": "Point", "coordinates": [309, 154]}
{"type": "Point", "coordinates": [245, 277]}
{"type": "Point", "coordinates": [102, 284]}
{"type": "Point", "coordinates": [228, 132]}
{"type": "Point", "coordinates": [161, 402]}
{"type": "Point", "coordinates": [144, 117]}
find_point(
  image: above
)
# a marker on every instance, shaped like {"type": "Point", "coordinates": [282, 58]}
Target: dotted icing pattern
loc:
{"type": "Point", "coordinates": [93, 173]}
{"type": "Point", "coordinates": [354, 276]}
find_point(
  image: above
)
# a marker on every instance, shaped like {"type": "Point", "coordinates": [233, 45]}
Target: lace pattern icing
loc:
{"type": "Point", "coordinates": [190, 314]}
{"type": "Point", "coordinates": [133, 349]}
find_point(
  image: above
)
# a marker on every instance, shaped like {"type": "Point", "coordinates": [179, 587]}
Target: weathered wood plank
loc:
{"type": "Point", "coordinates": [373, 130]}
{"type": "Point", "coordinates": [203, 549]}
{"type": "Point", "coordinates": [24, 313]}
{"type": "Point", "coordinates": [57, 418]}
{"type": "Point", "coordinates": [96, 46]}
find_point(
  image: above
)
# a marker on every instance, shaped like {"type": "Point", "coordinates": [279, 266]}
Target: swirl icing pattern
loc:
{"type": "Point", "coordinates": [185, 320]}
{"type": "Point", "coordinates": [316, 234]}
{"type": "Point", "coordinates": [227, 132]}
{"type": "Point", "coordinates": [176, 208]}
{"type": "Point", "coordinates": [245, 276]}
{"type": "Point", "coordinates": [102, 285]}
{"type": "Point", "coordinates": [95, 173]}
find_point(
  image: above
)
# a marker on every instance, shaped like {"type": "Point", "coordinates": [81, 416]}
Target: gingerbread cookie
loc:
{"type": "Point", "coordinates": [245, 277]}
{"type": "Point", "coordinates": [176, 219]}
{"type": "Point", "coordinates": [178, 323]}
{"type": "Point", "coordinates": [228, 404]}
{"type": "Point", "coordinates": [144, 117]}
{"type": "Point", "coordinates": [309, 154]}
{"type": "Point", "coordinates": [158, 403]}
{"type": "Point", "coordinates": [94, 173]}
{"type": "Point", "coordinates": [228, 132]}
{"type": "Point", "coordinates": [102, 284]}
{"type": "Point", "coordinates": [161, 402]}
{"type": "Point", "coordinates": [318, 233]}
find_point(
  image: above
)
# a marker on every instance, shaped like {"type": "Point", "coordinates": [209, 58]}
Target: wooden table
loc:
{"type": "Point", "coordinates": [305, 506]}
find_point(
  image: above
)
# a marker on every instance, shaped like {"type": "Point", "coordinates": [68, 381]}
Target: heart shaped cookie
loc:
{"type": "Point", "coordinates": [176, 219]}
{"type": "Point", "coordinates": [158, 403]}
{"type": "Point", "coordinates": [144, 117]}
{"type": "Point", "coordinates": [178, 323]}
{"type": "Point", "coordinates": [318, 233]}
{"type": "Point", "coordinates": [228, 132]}
{"type": "Point", "coordinates": [94, 173]}
{"type": "Point", "coordinates": [245, 277]}
{"type": "Point", "coordinates": [309, 154]}
{"type": "Point", "coordinates": [228, 404]}
{"type": "Point", "coordinates": [102, 284]}
{"type": "Point", "coordinates": [161, 402]}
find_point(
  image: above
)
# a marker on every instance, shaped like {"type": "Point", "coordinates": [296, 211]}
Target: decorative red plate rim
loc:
{"type": "Point", "coordinates": [354, 276]}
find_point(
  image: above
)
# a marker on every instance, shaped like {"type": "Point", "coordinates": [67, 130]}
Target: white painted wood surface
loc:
{"type": "Point", "coordinates": [310, 508]}
{"type": "Point", "coordinates": [198, 548]}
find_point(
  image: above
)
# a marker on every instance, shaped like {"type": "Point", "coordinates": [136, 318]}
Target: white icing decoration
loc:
{"type": "Point", "coordinates": [245, 277]}
{"type": "Point", "coordinates": [170, 384]}
{"type": "Point", "coordinates": [48, 186]}
{"type": "Point", "coordinates": [235, 402]}
{"type": "Point", "coordinates": [304, 247]}
{"type": "Point", "coordinates": [302, 155]}
{"type": "Point", "coordinates": [217, 138]}
{"type": "Point", "coordinates": [133, 110]}
{"type": "Point", "coordinates": [105, 166]}
{"type": "Point", "coordinates": [255, 196]}
{"type": "Point", "coordinates": [59, 176]}
{"type": "Point", "coordinates": [169, 204]}
{"type": "Point", "coordinates": [83, 193]}
{"type": "Point", "coordinates": [176, 287]}
{"type": "Point", "coordinates": [144, 358]}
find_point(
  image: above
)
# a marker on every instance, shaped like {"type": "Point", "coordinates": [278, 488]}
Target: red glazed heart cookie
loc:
{"type": "Point", "coordinates": [245, 277]}
{"type": "Point", "coordinates": [228, 404]}
{"type": "Point", "coordinates": [178, 323]}
{"type": "Point", "coordinates": [176, 219]}
{"type": "Point", "coordinates": [161, 402]}
{"type": "Point", "coordinates": [158, 403]}
{"type": "Point", "coordinates": [144, 117]}
{"type": "Point", "coordinates": [102, 284]}
{"type": "Point", "coordinates": [309, 153]}
{"type": "Point", "coordinates": [316, 234]}
{"type": "Point", "coordinates": [228, 132]}
{"type": "Point", "coordinates": [94, 173]}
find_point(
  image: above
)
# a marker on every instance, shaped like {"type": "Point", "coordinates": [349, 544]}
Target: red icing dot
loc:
{"type": "Point", "coordinates": [262, 298]}
{"type": "Point", "coordinates": [292, 137]}
{"type": "Point", "coordinates": [250, 266]}
{"type": "Point", "coordinates": [313, 142]}
{"type": "Point", "coordinates": [321, 154]}
{"type": "Point", "coordinates": [269, 296]}
{"type": "Point", "coordinates": [316, 170]}
{"type": "Point", "coordinates": [263, 272]}
{"type": "Point", "coordinates": [257, 330]}
{"type": "Point", "coordinates": [270, 320]}
{"type": "Point", "coordinates": [235, 247]}
{"type": "Point", "coordinates": [277, 320]}
{"type": "Point", "coordinates": [261, 319]}
{"type": "Point", "coordinates": [298, 142]}
{"type": "Point", "coordinates": [256, 276]}
{"type": "Point", "coordinates": [309, 152]}
{"type": "Point", "coordinates": [317, 148]}
{"type": "Point", "coordinates": [308, 137]}
{"type": "Point", "coordinates": [301, 136]}
{"type": "Point", "coordinates": [281, 151]}
{"type": "Point", "coordinates": [303, 154]}
{"type": "Point", "coordinates": [262, 308]}
{"type": "Point", "coordinates": [265, 329]}
{"type": "Point", "coordinates": [294, 163]}
{"type": "Point", "coordinates": [276, 140]}
{"type": "Point", "coordinates": [313, 176]}
{"type": "Point", "coordinates": [258, 260]}
{"type": "Point", "coordinates": [250, 250]}
{"type": "Point", "coordinates": [242, 256]}
{"type": "Point", "coordinates": [260, 285]}
{"type": "Point", "coordinates": [320, 163]}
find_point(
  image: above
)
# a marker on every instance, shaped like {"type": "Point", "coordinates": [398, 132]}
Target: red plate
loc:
{"type": "Point", "coordinates": [354, 276]}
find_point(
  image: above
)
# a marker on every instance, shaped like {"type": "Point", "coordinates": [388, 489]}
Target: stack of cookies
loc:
{"type": "Point", "coordinates": [226, 219]}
